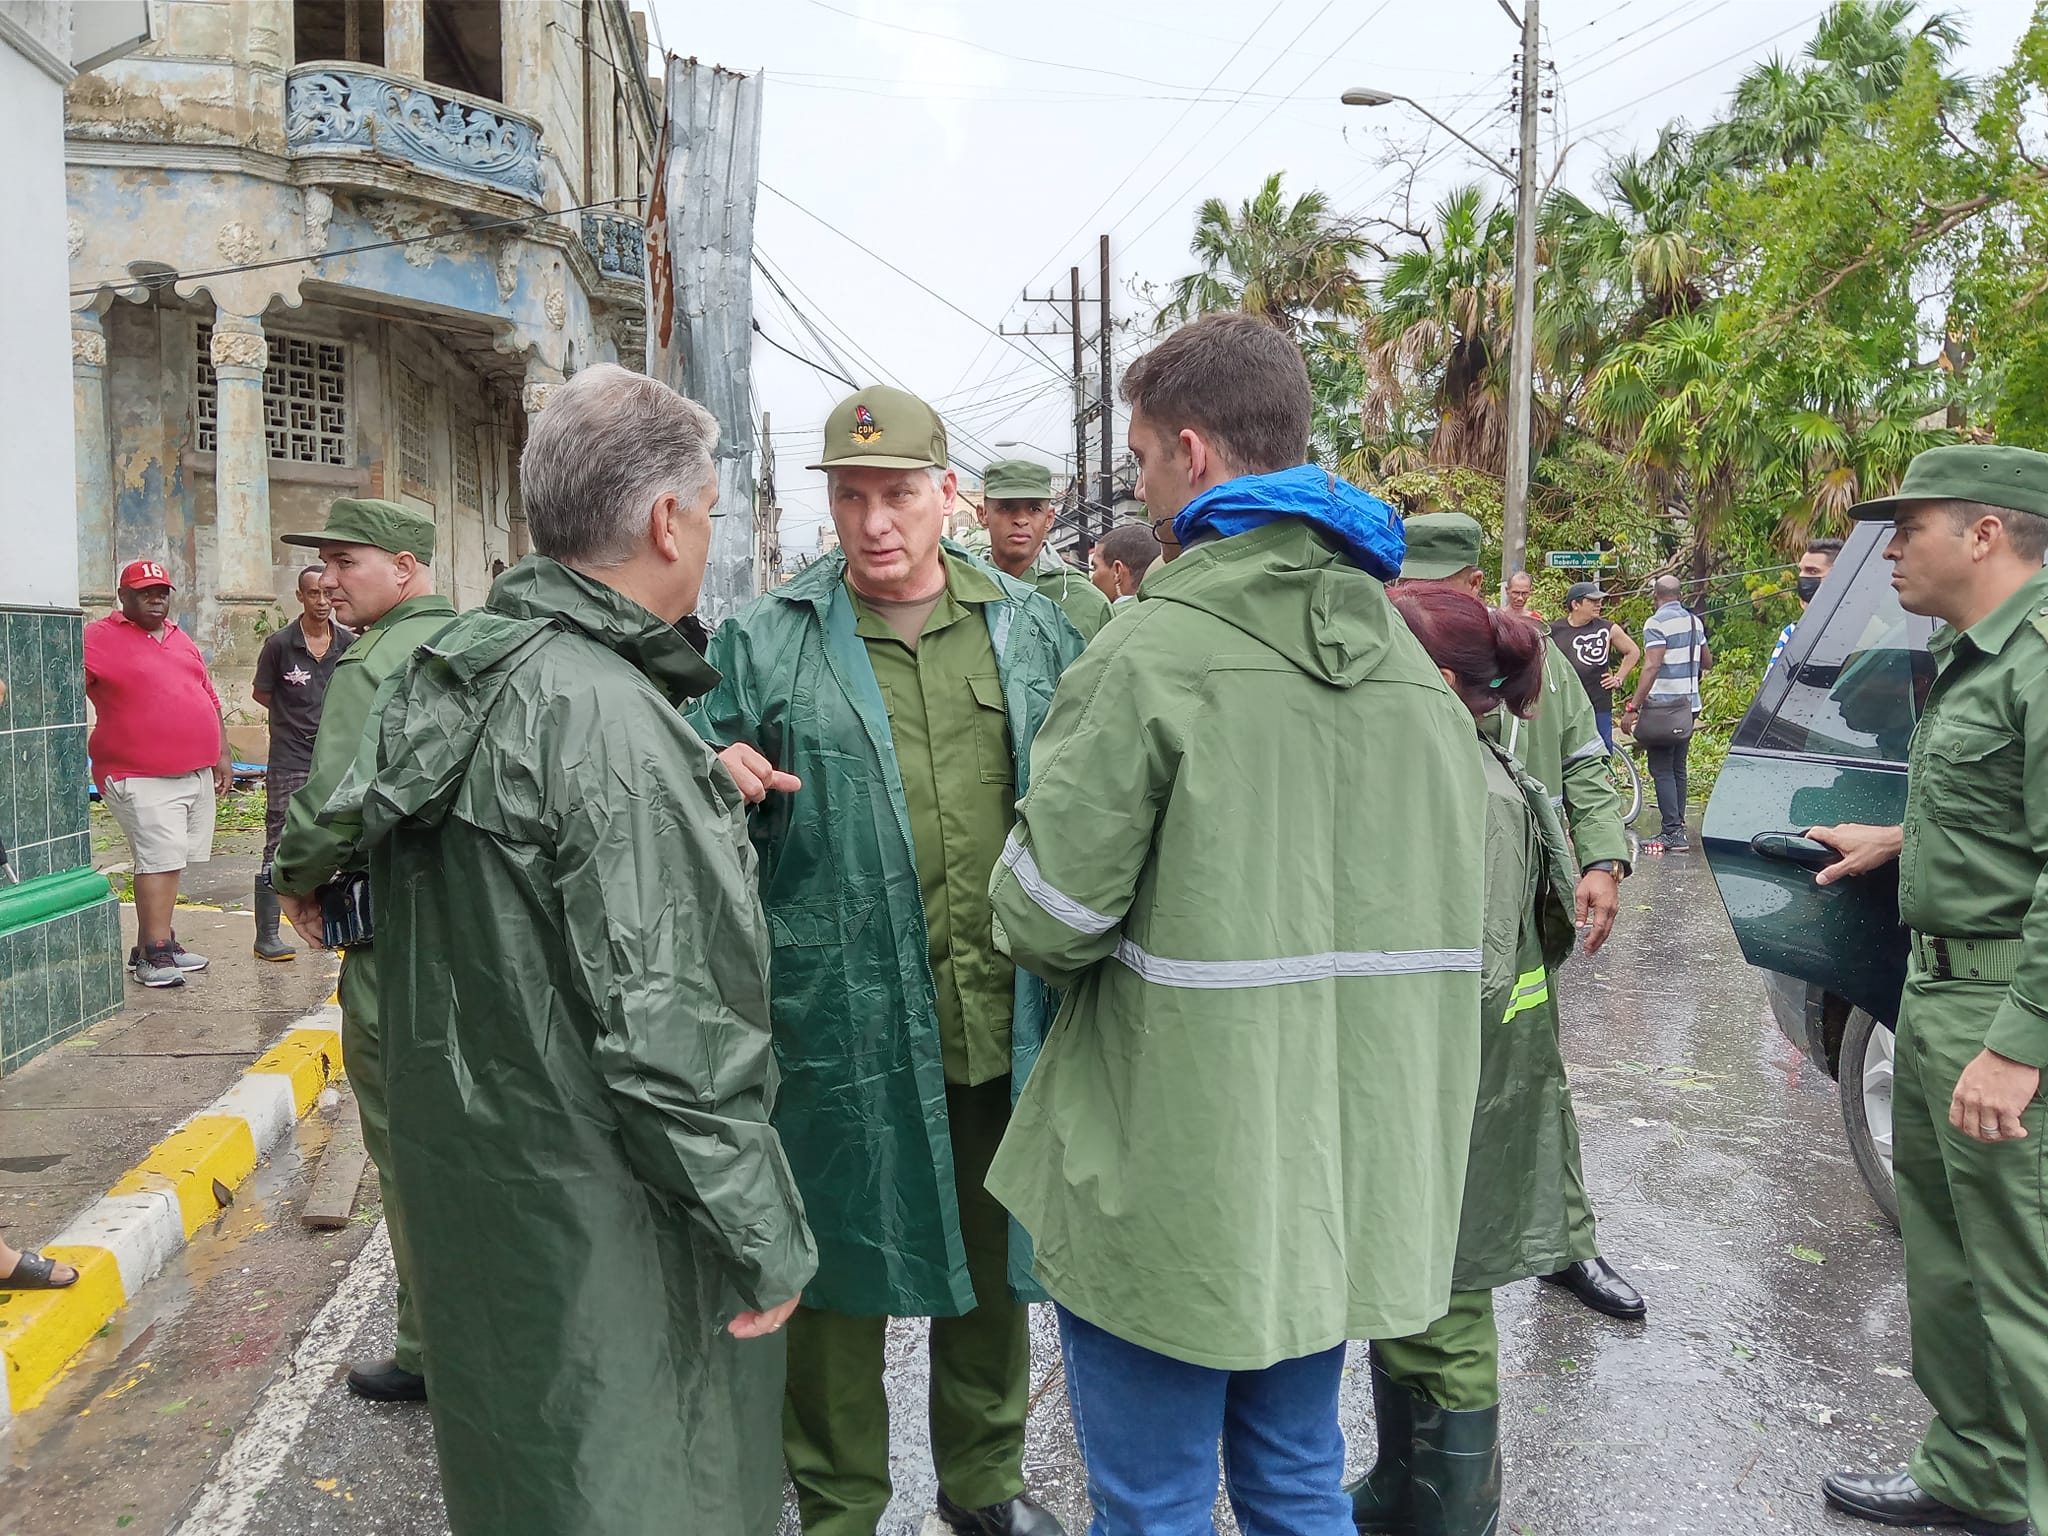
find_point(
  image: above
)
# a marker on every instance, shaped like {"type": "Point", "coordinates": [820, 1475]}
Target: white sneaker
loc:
{"type": "Point", "coordinates": [187, 961]}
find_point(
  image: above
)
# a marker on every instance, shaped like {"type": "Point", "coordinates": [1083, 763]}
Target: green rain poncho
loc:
{"type": "Point", "coordinates": [573, 974]}
{"type": "Point", "coordinates": [1524, 1138]}
{"type": "Point", "coordinates": [1253, 853]}
{"type": "Point", "coordinates": [863, 1106]}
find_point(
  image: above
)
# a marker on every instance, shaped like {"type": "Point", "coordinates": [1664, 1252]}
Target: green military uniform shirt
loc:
{"type": "Point", "coordinates": [1086, 608]}
{"type": "Point", "coordinates": [951, 733]}
{"type": "Point", "coordinates": [1974, 861]}
{"type": "Point", "coordinates": [309, 854]}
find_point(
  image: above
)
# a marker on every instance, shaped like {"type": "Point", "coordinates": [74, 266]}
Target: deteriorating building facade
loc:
{"type": "Point", "coordinates": [340, 247]}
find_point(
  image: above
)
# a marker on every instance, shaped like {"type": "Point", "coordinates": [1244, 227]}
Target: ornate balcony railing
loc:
{"type": "Point", "coordinates": [353, 108]}
{"type": "Point", "coordinates": [616, 243]}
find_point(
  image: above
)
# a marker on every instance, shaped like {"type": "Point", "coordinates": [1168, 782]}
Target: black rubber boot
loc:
{"type": "Point", "coordinates": [1456, 1477]}
{"type": "Point", "coordinates": [268, 945]}
{"type": "Point", "coordinates": [1380, 1504]}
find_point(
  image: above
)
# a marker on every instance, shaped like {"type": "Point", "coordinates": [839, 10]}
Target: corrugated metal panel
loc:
{"type": "Point", "coordinates": [700, 320]}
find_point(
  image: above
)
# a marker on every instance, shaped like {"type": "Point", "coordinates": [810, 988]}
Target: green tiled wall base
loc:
{"type": "Point", "coordinates": [58, 978]}
{"type": "Point", "coordinates": [43, 805]}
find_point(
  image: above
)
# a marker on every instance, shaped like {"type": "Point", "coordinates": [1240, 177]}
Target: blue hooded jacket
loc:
{"type": "Point", "coordinates": [1365, 528]}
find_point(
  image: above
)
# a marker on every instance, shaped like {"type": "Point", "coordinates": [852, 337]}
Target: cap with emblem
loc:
{"type": "Point", "coordinates": [382, 525]}
{"type": "Point", "coordinates": [1582, 590]}
{"type": "Point", "coordinates": [1016, 480]}
{"type": "Point", "coordinates": [139, 574]}
{"type": "Point", "coordinates": [1441, 544]}
{"type": "Point", "coordinates": [1999, 477]}
{"type": "Point", "coordinates": [883, 428]}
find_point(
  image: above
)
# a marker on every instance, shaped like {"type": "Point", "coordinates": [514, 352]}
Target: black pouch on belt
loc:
{"type": "Point", "coordinates": [345, 912]}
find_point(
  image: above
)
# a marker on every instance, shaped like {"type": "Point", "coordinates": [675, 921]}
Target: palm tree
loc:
{"type": "Point", "coordinates": [1781, 112]}
{"type": "Point", "coordinates": [1289, 263]}
{"type": "Point", "coordinates": [1436, 334]}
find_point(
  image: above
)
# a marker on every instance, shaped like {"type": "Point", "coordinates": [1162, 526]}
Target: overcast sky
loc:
{"type": "Point", "coordinates": [982, 146]}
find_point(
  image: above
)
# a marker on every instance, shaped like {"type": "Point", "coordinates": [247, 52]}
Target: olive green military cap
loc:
{"type": "Point", "coordinates": [1999, 477]}
{"type": "Point", "coordinates": [883, 428]}
{"type": "Point", "coordinates": [1016, 480]}
{"type": "Point", "coordinates": [1441, 544]}
{"type": "Point", "coordinates": [380, 524]}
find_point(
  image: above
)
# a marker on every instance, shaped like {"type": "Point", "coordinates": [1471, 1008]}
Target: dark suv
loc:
{"type": "Point", "coordinates": [1825, 742]}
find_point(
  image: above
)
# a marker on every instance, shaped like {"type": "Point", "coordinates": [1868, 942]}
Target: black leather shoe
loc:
{"type": "Point", "coordinates": [385, 1381]}
{"type": "Point", "coordinates": [1893, 1498]}
{"type": "Point", "coordinates": [1021, 1516]}
{"type": "Point", "coordinates": [1595, 1283]}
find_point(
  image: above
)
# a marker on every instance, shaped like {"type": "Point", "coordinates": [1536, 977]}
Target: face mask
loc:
{"type": "Point", "coordinates": [1809, 587]}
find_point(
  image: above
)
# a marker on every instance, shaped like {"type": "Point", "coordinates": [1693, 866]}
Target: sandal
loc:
{"type": "Point", "coordinates": [32, 1272]}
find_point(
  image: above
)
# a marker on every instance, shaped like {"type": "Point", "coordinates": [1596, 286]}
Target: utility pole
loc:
{"type": "Point", "coordinates": [1080, 400]}
{"type": "Point", "coordinates": [1108, 401]}
{"type": "Point", "coordinates": [1522, 343]}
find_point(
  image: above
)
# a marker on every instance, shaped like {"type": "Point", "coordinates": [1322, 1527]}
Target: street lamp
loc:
{"type": "Point", "coordinates": [1366, 96]}
{"type": "Point", "coordinates": [1522, 340]}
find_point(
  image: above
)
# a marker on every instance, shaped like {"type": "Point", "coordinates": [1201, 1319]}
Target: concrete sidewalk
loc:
{"type": "Point", "coordinates": [77, 1117]}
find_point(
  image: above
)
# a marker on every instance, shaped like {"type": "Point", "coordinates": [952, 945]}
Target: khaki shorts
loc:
{"type": "Point", "coordinates": [168, 822]}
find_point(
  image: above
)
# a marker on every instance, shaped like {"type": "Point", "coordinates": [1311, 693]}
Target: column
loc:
{"type": "Point", "coordinates": [405, 37]}
{"type": "Point", "coordinates": [241, 475]}
{"type": "Point", "coordinates": [94, 457]}
{"type": "Point", "coordinates": [542, 380]}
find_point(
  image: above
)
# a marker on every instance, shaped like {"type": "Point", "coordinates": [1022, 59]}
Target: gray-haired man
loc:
{"type": "Point", "coordinates": [575, 983]}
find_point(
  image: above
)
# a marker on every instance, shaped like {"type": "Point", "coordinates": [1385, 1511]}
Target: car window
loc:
{"type": "Point", "coordinates": [1857, 670]}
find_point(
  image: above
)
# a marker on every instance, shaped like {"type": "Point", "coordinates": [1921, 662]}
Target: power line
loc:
{"type": "Point", "coordinates": [1645, 43]}
{"type": "Point", "coordinates": [917, 283]}
{"type": "Point", "coordinates": [1314, 69]}
{"type": "Point", "coordinates": [157, 280]}
{"type": "Point", "coordinates": [807, 362]}
{"type": "Point", "coordinates": [1806, 20]}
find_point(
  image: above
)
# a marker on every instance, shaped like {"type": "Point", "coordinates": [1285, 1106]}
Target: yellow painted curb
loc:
{"type": "Point", "coordinates": [42, 1332]}
{"type": "Point", "coordinates": [309, 1057]}
{"type": "Point", "coordinates": [189, 1161]}
{"type": "Point", "coordinates": [44, 1329]}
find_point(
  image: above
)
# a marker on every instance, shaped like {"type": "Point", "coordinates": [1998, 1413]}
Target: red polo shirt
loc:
{"type": "Point", "coordinates": [155, 714]}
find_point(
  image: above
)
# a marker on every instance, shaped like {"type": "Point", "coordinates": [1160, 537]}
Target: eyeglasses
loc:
{"type": "Point", "coordinates": [1157, 537]}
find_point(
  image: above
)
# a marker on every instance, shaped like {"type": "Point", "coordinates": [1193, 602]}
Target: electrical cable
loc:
{"type": "Point", "coordinates": [159, 280]}
{"type": "Point", "coordinates": [807, 362]}
{"type": "Point", "coordinates": [1806, 20]}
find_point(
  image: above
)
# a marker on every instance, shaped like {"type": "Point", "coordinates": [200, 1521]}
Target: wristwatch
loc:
{"type": "Point", "coordinates": [1606, 867]}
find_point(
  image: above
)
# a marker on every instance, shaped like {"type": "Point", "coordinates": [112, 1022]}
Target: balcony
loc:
{"type": "Point", "coordinates": [354, 109]}
{"type": "Point", "coordinates": [617, 244]}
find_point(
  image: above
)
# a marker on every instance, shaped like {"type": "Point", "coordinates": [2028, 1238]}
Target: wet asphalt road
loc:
{"type": "Point", "coordinates": [1775, 1348]}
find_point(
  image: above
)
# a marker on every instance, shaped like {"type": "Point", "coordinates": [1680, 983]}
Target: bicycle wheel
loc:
{"type": "Point", "coordinates": [1628, 784]}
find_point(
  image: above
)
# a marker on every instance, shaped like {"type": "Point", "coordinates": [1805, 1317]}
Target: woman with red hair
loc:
{"type": "Point", "coordinates": [1436, 1395]}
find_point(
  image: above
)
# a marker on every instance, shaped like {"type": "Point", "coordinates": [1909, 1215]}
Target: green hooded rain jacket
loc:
{"type": "Point", "coordinates": [573, 972]}
{"type": "Point", "coordinates": [1253, 854]}
{"type": "Point", "coordinates": [863, 1103]}
{"type": "Point", "coordinates": [1524, 1137]}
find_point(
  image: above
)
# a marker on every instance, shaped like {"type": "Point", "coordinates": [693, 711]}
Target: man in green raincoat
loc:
{"type": "Point", "coordinates": [574, 977]}
{"type": "Point", "coordinates": [378, 570]}
{"type": "Point", "coordinates": [1017, 511]}
{"type": "Point", "coordinates": [902, 683]}
{"type": "Point", "coordinates": [1252, 855]}
{"type": "Point", "coordinates": [1560, 747]}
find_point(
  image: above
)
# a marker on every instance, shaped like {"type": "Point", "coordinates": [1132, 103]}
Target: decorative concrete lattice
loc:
{"type": "Point", "coordinates": [415, 441]}
{"type": "Point", "coordinates": [305, 399]}
{"type": "Point", "coordinates": [469, 479]}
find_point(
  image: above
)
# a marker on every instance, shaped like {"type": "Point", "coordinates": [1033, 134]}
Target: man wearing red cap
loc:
{"type": "Point", "coordinates": [159, 756]}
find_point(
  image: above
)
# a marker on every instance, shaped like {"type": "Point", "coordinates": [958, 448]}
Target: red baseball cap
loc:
{"type": "Point", "coordinates": [137, 574]}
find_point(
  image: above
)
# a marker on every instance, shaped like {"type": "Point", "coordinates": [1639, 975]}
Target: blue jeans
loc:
{"type": "Point", "coordinates": [1604, 718]}
{"type": "Point", "coordinates": [1148, 1426]}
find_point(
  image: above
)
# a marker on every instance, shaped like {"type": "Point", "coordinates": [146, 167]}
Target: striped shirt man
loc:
{"type": "Point", "coordinates": [1681, 636]}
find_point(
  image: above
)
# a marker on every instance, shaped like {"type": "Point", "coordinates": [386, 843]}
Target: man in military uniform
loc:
{"type": "Point", "coordinates": [1969, 1124]}
{"type": "Point", "coordinates": [902, 685]}
{"type": "Point", "coordinates": [1561, 748]}
{"type": "Point", "coordinates": [377, 569]}
{"type": "Point", "coordinates": [1017, 511]}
